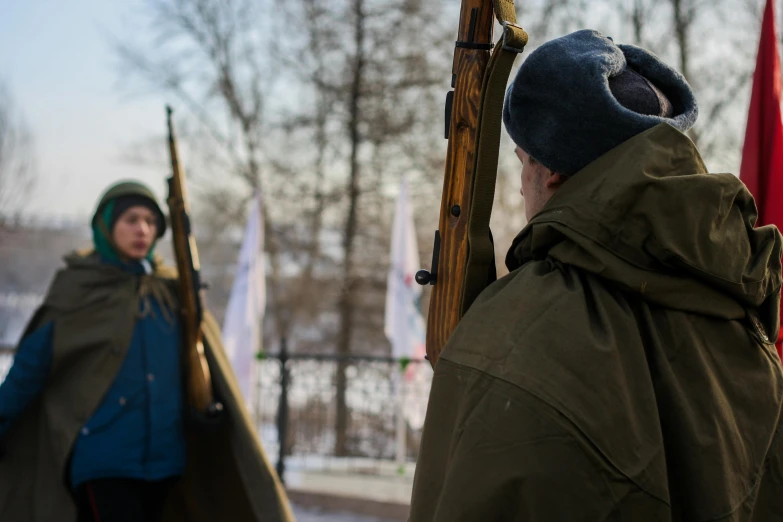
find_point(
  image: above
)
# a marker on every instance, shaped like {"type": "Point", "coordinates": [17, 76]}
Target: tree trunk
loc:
{"type": "Point", "coordinates": [682, 24]}
{"type": "Point", "coordinates": [637, 20]}
{"type": "Point", "coordinates": [683, 20]}
{"type": "Point", "coordinates": [347, 303]}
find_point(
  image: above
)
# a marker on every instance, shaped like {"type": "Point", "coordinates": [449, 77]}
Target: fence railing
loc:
{"type": "Point", "coordinates": [298, 411]}
{"type": "Point", "coordinates": [328, 413]}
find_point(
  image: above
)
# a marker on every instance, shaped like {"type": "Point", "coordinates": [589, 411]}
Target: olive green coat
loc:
{"type": "Point", "coordinates": [94, 308]}
{"type": "Point", "coordinates": [623, 371]}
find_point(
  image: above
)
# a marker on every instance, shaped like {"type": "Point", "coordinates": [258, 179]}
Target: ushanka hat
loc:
{"type": "Point", "coordinates": [577, 97]}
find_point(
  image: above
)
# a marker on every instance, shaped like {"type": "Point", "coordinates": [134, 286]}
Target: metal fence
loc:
{"type": "Point", "coordinates": [296, 411]}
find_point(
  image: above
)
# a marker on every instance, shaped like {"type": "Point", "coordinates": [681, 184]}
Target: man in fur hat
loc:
{"type": "Point", "coordinates": [625, 368]}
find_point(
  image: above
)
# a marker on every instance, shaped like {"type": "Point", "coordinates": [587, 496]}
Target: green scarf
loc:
{"type": "Point", "coordinates": [101, 237]}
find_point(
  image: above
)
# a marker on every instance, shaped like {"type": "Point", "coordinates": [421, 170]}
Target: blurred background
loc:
{"type": "Point", "coordinates": [322, 107]}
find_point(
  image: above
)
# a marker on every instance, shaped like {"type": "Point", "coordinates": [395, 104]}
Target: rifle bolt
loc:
{"type": "Point", "coordinates": [423, 277]}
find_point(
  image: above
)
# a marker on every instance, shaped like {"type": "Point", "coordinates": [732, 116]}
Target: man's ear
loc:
{"type": "Point", "coordinates": [554, 180]}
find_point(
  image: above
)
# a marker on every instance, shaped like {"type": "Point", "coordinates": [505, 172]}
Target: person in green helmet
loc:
{"type": "Point", "coordinates": [93, 419]}
{"type": "Point", "coordinates": [127, 224]}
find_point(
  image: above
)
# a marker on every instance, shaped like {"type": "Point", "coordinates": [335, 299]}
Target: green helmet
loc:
{"type": "Point", "coordinates": [130, 188]}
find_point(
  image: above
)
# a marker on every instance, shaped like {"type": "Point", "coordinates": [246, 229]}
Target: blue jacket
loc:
{"type": "Point", "coordinates": [137, 431]}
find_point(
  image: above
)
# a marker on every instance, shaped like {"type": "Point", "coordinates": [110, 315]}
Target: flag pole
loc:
{"type": "Point", "coordinates": [401, 424]}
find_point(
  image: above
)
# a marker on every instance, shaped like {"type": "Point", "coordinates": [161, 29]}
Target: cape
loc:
{"type": "Point", "coordinates": [625, 368]}
{"type": "Point", "coordinates": [94, 306]}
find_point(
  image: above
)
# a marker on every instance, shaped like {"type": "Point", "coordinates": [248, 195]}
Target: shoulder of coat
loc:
{"type": "Point", "coordinates": [166, 271]}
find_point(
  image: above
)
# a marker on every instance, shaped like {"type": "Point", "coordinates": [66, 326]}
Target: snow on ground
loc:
{"type": "Point", "coordinates": [314, 515]}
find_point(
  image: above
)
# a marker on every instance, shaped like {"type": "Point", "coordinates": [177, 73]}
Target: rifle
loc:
{"type": "Point", "coordinates": [198, 381]}
{"type": "Point", "coordinates": [463, 261]}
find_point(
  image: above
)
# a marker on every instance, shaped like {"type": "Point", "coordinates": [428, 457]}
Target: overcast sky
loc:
{"type": "Point", "coordinates": [58, 62]}
{"type": "Point", "coordinates": [56, 58]}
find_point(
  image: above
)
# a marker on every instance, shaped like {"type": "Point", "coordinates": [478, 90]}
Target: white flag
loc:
{"type": "Point", "coordinates": [404, 324]}
{"type": "Point", "coordinates": [245, 310]}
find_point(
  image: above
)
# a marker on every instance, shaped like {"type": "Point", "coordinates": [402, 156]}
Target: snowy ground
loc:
{"type": "Point", "coordinates": [313, 515]}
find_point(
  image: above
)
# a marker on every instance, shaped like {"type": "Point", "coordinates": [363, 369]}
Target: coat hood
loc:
{"type": "Point", "coordinates": [648, 217]}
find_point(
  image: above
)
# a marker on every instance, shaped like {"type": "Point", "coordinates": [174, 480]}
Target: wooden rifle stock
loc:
{"type": "Point", "coordinates": [451, 248]}
{"type": "Point", "coordinates": [460, 264]}
{"type": "Point", "coordinates": [198, 379]}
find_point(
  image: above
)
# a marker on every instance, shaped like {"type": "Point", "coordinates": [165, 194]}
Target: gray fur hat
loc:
{"type": "Point", "coordinates": [577, 97]}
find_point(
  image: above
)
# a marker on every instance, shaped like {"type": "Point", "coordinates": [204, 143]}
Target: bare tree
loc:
{"type": "Point", "coordinates": [212, 57]}
{"type": "Point", "coordinates": [711, 42]}
{"type": "Point", "coordinates": [17, 173]}
{"type": "Point", "coordinates": [684, 15]}
{"type": "Point", "coordinates": [346, 301]}
{"type": "Point", "coordinates": [371, 72]}
{"type": "Point", "coordinates": [388, 83]}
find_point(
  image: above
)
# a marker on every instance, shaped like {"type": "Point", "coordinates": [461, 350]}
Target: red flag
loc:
{"type": "Point", "coordinates": [762, 155]}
